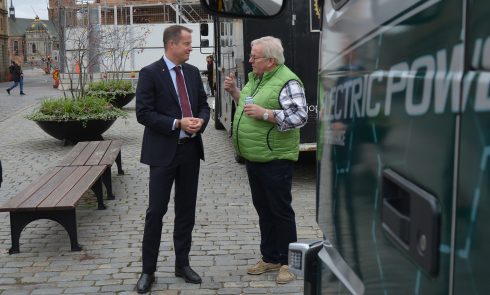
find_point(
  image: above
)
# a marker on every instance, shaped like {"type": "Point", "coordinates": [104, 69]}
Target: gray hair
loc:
{"type": "Point", "coordinates": [272, 48]}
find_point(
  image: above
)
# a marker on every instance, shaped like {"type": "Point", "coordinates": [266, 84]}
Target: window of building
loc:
{"type": "Point", "coordinates": [16, 47]}
{"type": "Point", "coordinates": [34, 48]}
{"type": "Point", "coordinates": [123, 16]}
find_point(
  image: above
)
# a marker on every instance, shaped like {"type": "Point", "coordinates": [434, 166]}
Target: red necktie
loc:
{"type": "Point", "coordinates": [184, 100]}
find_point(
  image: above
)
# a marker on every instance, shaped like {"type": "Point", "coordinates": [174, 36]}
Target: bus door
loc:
{"type": "Point", "coordinates": [225, 65]}
{"type": "Point", "coordinates": [472, 250]}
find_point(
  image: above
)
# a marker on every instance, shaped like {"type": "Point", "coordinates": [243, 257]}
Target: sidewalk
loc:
{"type": "Point", "coordinates": [226, 235]}
{"type": "Point", "coordinates": [36, 85]}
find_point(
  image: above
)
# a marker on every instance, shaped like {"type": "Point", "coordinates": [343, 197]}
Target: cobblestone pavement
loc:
{"type": "Point", "coordinates": [226, 235]}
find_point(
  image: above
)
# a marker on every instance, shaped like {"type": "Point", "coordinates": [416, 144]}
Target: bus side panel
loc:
{"type": "Point", "coordinates": [379, 112]}
{"type": "Point", "coordinates": [305, 46]}
{"type": "Point", "coordinates": [473, 209]}
{"type": "Point", "coordinates": [300, 51]}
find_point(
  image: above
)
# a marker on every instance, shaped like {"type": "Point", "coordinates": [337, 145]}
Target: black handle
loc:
{"type": "Point", "coordinates": [395, 222]}
{"type": "Point", "coordinates": [410, 217]}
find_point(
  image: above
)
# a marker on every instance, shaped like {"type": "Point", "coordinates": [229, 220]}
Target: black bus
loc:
{"type": "Point", "coordinates": [232, 48]}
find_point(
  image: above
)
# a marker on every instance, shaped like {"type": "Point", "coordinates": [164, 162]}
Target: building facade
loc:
{"type": "Point", "coordinates": [4, 56]}
{"type": "Point", "coordinates": [55, 5]}
{"type": "Point", "coordinates": [40, 42]}
{"type": "Point", "coordinates": [32, 41]}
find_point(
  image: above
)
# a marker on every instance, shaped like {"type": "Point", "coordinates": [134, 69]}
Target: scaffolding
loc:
{"type": "Point", "coordinates": [135, 12]}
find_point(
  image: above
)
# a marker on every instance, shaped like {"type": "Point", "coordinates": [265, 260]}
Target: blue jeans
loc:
{"type": "Point", "coordinates": [21, 83]}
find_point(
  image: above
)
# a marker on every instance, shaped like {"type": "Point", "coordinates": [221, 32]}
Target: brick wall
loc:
{"type": "Point", "coordinates": [4, 54]}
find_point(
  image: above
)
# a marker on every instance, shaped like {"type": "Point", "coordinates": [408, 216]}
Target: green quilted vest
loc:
{"type": "Point", "coordinates": [257, 140]}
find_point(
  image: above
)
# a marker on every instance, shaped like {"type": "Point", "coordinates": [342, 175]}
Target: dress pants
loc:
{"type": "Point", "coordinates": [270, 184]}
{"type": "Point", "coordinates": [184, 170]}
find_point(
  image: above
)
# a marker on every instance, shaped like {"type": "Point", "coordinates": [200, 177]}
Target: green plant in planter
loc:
{"type": "Point", "coordinates": [91, 107]}
{"type": "Point", "coordinates": [116, 86]}
{"type": "Point", "coordinates": [119, 92]}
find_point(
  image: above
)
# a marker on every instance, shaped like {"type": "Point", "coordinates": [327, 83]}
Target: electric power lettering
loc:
{"type": "Point", "coordinates": [439, 79]}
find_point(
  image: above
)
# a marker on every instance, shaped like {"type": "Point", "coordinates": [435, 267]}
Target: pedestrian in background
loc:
{"type": "Point", "coordinates": [210, 73]}
{"type": "Point", "coordinates": [172, 105]}
{"type": "Point", "coordinates": [17, 76]}
{"type": "Point", "coordinates": [266, 135]}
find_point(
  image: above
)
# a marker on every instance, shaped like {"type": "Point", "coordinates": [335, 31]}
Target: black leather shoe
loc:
{"type": "Point", "coordinates": [188, 274]}
{"type": "Point", "coordinates": [144, 283]}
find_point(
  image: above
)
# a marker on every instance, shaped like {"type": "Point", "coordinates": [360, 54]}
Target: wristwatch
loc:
{"type": "Point", "coordinates": [265, 116]}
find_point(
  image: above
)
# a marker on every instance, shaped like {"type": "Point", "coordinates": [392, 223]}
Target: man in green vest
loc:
{"type": "Point", "coordinates": [270, 110]}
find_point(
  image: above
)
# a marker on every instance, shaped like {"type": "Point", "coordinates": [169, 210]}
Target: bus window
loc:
{"type": "Point", "coordinates": [204, 30]}
{"type": "Point", "coordinates": [251, 8]}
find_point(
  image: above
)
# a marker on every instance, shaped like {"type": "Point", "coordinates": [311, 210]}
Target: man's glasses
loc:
{"type": "Point", "coordinates": [254, 58]}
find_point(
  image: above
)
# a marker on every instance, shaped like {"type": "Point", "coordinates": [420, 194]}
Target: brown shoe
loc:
{"type": "Point", "coordinates": [284, 276]}
{"type": "Point", "coordinates": [262, 267]}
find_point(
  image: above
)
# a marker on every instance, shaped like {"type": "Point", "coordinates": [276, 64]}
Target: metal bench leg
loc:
{"type": "Point", "coordinates": [19, 220]}
{"type": "Point", "coordinates": [106, 178]}
{"type": "Point", "coordinates": [97, 188]}
{"type": "Point", "coordinates": [68, 219]}
{"type": "Point", "coordinates": [17, 224]}
{"type": "Point", "coordinates": [120, 171]}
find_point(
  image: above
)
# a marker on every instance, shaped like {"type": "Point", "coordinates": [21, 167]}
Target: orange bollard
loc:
{"type": "Point", "coordinates": [56, 78]}
{"type": "Point", "coordinates": [77, 68]}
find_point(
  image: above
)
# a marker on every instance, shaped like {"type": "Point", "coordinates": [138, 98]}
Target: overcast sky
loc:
{"type": "Point", "coordinates": [30, 8]}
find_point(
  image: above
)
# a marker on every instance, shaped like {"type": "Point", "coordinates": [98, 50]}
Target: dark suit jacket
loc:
{"type": "Point", "coordinates": [157, 105]}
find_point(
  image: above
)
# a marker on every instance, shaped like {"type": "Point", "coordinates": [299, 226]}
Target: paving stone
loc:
{"type": "Point", "coordinates": [15, 292]}
{"type": "Point", "coordinates": [47, 291]}
{"type": "Point", "coordinates": [81, 290]}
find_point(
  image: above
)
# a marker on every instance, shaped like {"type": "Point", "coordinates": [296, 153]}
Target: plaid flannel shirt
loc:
{"type": "Point", "coordinates": [294, 113]}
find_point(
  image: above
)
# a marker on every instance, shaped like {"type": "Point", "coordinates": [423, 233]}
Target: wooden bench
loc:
{"type": "Point", "coordinates": [52, 196]}
{"type": "Point", "coordinates": [56, 193]}
{"type": "Point", "coordinates": [90, 153]}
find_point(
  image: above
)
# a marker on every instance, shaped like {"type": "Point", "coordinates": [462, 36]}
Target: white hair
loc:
{"type": "Point", "coordinates": [272, 48]}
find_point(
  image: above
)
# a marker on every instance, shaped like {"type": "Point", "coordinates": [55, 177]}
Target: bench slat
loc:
{"type": "Point", "coordinates": [74, 195]}
{"type": "Point", "coordinates": [86, 153]}
{"type": "Point", "coordinates": [67, 184]}
{"type": "Point", "coordinates": [73, 154]}
{"type": "Point", "coordinates": [36, 198]}
{"type": "Point", "coordinates": [18, 199]}
{"type": "Point", "coordinates": [112, 152]}
{"type": "Point", "coordinates": [98, 154]}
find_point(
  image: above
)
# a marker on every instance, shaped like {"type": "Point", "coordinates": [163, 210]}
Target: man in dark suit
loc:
{"type": "Point", "coordinates": [171, 104]}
